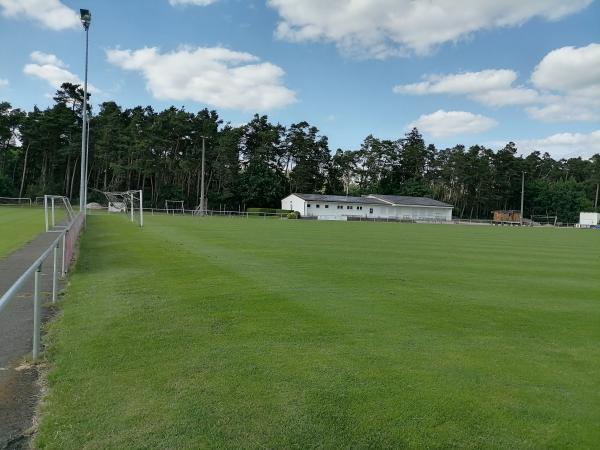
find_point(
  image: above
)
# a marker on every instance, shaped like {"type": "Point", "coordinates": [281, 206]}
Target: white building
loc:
{"type": "Point", "coordinates": [340, 207]}
{"type": "Point", "coordinates": [589, 219]}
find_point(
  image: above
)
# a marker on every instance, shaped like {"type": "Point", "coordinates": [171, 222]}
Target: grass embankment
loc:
{"type": "Point", "coordinates": [230, 333]}
{"type": "Point", "coordinates": [18, 226]}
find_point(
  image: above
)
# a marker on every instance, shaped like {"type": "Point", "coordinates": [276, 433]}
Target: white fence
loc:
{"type": "Point", "coordinates": [64, 244]}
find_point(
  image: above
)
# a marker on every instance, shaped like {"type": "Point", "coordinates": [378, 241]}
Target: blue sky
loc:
{"type": "Point", "coordinates": [476, 72]}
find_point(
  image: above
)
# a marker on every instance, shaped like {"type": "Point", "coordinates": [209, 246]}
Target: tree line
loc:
{"type": "Point", "coordinates": [257, 164]}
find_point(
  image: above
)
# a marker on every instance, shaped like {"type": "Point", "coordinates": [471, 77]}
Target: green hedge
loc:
{"type": "Point", "coordinates": [268, 210]}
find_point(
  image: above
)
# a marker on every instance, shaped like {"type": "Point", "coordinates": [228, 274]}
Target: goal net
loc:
{"type": "Point", "coordinates": [15, 201]}
{"type": "Point", "coordinates": [57, 209]}
{"type": "Point", "coordinates": [127, 202]}
{"type": "Point", "coordinates": [174, 207]}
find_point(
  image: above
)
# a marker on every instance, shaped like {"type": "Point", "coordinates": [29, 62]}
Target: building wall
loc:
{"type": "Point", "coordinates": [294, 203]}
{"type": "Point", "coordinates": [415, 212]}
{"type": "Point", "coordinates": [589, 219]}
{"type": "Point", "coordinates": [328, 210]}
{"type": "Point", "coordinates": [332, 209]}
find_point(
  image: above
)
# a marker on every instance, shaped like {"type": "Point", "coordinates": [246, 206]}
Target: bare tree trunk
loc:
{"type": "Point", "coordinates": [198, 188]}
{"type": "Point", "coordinates": [105, 175]}
{"type": "Point", "coordinates": [67, 176]}
{"type": "Point", "coordinates": [73, 177]}
{"type": "Point", "coordinates": [24, 171]}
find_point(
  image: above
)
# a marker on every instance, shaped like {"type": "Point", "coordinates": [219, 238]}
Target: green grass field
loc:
{"type": "Point", "coordinates": [233, 333]}
{"type": "Point", "coordinates": [18, 226]}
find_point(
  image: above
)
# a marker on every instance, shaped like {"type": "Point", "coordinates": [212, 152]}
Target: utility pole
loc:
{"type": "Point", "coordinates": [597, 190]}
{"type": "Point", "coordinates": [522, 194]}
{"type": "Point", "coordinates": [202, 205]}
{"type": "Point", "coordinates": [86, 19]}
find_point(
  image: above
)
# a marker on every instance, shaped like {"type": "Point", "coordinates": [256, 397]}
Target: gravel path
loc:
{"type": "Point", "coordinates": [19, 390]}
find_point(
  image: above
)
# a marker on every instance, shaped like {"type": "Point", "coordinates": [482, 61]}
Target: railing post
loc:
{"type": "Point", "coordinates": [64, 254]}
{"type": "Point", "coordinates": [37, 313]}
{"type": "Point", "coordinates": [54, 273]}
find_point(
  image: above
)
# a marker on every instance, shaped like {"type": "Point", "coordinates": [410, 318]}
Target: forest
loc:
{"type": "Point", "coordinates": [257, 164]}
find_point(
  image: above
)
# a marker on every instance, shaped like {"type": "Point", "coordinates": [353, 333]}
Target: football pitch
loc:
{"type": "Point", "coordinates": [18, 226]}
{"type": "Point", "coordinates": [234, 333]}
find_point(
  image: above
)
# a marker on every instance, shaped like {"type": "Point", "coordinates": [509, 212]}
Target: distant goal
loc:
{"type": "Point", "coordinates": [127, 202]}
{"type": "Point", "coordinates": [15, 201]}
{"type": "Point", "coordinates": [57, 208]}
{"type": "Point", "coordinates": [544, 220]}
{"type": "Point", "coordinates": [174, 207]}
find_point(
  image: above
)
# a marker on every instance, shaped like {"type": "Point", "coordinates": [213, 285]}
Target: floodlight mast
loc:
{"type": "Point", "coordinates": [86, 20]}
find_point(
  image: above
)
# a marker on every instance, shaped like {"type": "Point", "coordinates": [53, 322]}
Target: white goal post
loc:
{"type": "Point", "coordinates": [15, 201]}
{"type": "Point", "coordinates": [174, 206]}
{"type": "Point", "coordinates": [51, 204]}
{"type": "Point", "coordinates": [129, 202]}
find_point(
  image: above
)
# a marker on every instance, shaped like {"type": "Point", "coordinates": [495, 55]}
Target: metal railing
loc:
{"type": "Point", "coordinates": [65, 241]}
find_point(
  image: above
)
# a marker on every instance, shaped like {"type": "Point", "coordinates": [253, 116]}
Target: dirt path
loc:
{"type": "Point", "coordinates": [19, 390]}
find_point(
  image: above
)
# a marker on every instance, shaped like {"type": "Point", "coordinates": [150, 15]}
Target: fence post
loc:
{"type": "Point", "coordinates": [37, 313]}
{"type": "Point", "coordinates": [54, 273]}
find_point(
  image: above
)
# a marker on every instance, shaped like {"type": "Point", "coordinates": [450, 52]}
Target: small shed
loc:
{"type": "Point", "coordinates": [508, 216]}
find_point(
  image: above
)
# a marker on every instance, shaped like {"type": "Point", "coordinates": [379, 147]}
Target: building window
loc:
{"type": "Point", "coordinates": [340, 206]}
{"type": "Point", "coordinates": [359, 208]}
{"type": "Point", "coordinates": [370, 210]}
{"type": "Point", "coordinates": [349, 207]}
{"type": "Point", "coordinates": [318, 206]}
{"type": "Point", "coordinates": [326, 206]}
{"type": "Point", "coordinates": [308, 205]}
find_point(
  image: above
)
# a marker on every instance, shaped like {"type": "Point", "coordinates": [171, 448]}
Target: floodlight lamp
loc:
{"type": "Point", "coordinates": [86, 17]}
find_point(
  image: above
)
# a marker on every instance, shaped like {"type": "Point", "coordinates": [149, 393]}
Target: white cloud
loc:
{"type": "Point", "coordinates": [50, 68]}
{"type": "Point", "coordinates": [564, 145]}
{"type": "Point", "coordinates": [383, 28]}
{"type": "Point", "coordinates": [571, 70]}
{"type": "Point", "coordinates": [192, 2]}
{"type": "Point", "coordinates": [50, 13]}
{"type": "Point", "coordinates": [46, 58]}
{"type": "Point", "coordinates": [449, 123]}
{"type": "Point", "coordinates": [567, 108]}
{"type": "Point", "coordinates": [573, 75]}
{"type": "Point", "coordinates": [214, 76]}
{"type": "Point", "coordinates": [492, 87]}
{"type": "Point", "coordinates": [567, 82]}
{"type": "Point", "coordinates": [3, 82]}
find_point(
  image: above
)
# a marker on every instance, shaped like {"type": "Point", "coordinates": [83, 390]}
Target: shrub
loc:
{"type": "Point", "coordinates": [293, 215]}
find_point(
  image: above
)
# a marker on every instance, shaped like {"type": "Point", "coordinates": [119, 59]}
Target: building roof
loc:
{"type": "Point", "coordinates": [375, 199]}
{"type": "Point", "coordinates": [409, 201]}
{"type": "Point", "coordinates": [338, 198]}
